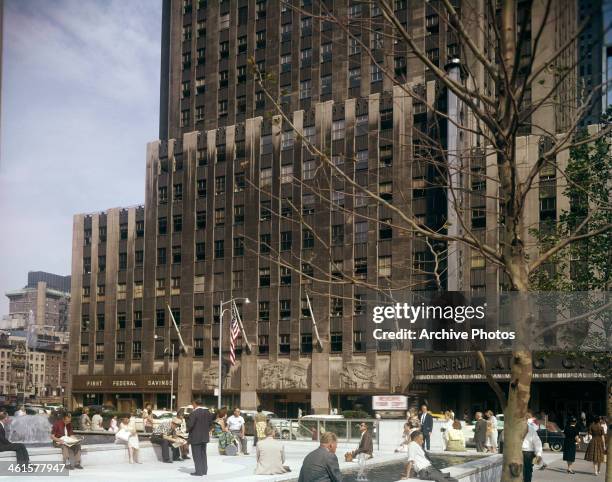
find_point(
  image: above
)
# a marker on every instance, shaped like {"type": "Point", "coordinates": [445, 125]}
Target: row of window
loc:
{"type": "Point", "coordinates": [123, 232]}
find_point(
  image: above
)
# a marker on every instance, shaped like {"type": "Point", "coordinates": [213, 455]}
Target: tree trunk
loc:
{"type": "Point", "coordinates": [609, 421]}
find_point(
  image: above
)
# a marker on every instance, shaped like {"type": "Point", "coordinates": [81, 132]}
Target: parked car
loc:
{"type": "Point", "coordinates": [551, 434]}
{"type": "Point", "coordinates": [36, 410]}
{"type": "Point", "coordinates": [159, 416]}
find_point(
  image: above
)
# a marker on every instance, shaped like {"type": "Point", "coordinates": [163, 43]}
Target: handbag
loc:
{"type": "Point", "coordinates": [122, 435]}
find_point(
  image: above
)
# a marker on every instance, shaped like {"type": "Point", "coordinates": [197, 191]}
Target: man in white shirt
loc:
{"type": "Point", "coordinates": [420, 463]}
{"type": "Point", "coordinates": [532, 449]}
{"type": "Point", "coordinates": [235, 424]}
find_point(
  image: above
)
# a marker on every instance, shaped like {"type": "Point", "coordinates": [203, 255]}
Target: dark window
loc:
{"type": "Point", "coordinates": [338, 234]}
{"type": "Point", "coordinates": [286, 240]}
{"type": "Point", "coordinates": [122, 261]}
{"type": "Point", "coordinates": [219, 249]}
{"type": "Point", "coordinates": [161, 255]}
{"type": "Point", "coordinates": [385, 231]}
{"type": "Point", "coordinates": [285, 275]}
{"type": "Point", "coordinates": [201, 220]}
{"type": "Point", "coordinates": [102, 233]}
{"type": "Point", "coordinates": [162, 225]}
{"type": "Point", "coordinates": [86, 265]}
{"type": "Point", "coordinates": [178, 192]}
{"type": "Point", "coordinates": [177, 222]}
{"type": "Point", "coordinates": [306, 344]}
{"type": "Point", "coordinates": [219, 185]}
{"type": "Point", "coordinates": [336, 342]}
{"type": "Point", "coordinates": [358, 342]}
{"type": "Point", "coordinates": [284, 344]}
{"type": "Point", "coordinates": [139, 229]}
{"type": "Point", "coordinates": [84, 353]}
{"type": "Point", "coordinates": [198, 347]}
{"type": "Point", "coordinates": [101, 264]}
{"type": "Point", "coordinates": [264, 276]}
{"type": "Point", "coordinates": [285, 309]}
{"type": "Point", "coordinates": [265, 211]}
{"type": "Point", "coordinates": [263, 344]}
{"type": "Point", "coordinates": [359, 307]}
{"type": "Point", "coordinates": [337, 306]}
{"type": "Point", "coordinates": [307, 239]}
{"type": "Point", "coordinates": [120, 350]}
{"type": "Point", "coordinates": [264, 310]}
{"type": "Point", "coordinates": [238, 214]}
{"type": "Point", "coordinates": [307, 269]}
{"type": "Point", "coordinates": [176, 254]}
{"type": "Point", "coordinates": [239, 246]}
{"type": "Point", "coordinates": [160, 317]}
{"type": "Point", "coordinates": [138, 319]}
{"type": "Point", "coordinates": [199, 315]}
{"type": "Point", "coordinates": [85, 323]}
{"type": "Point", "coordinates": [264, 243]}
{"type": "Point", "coordinates": [136, 350]}
{"type": "Point", "coordinates": [123, 231]}
{"type": "Point", "coordinates": [200, 252]}
{"type": "Point", "coordinates": [138, 257]}
{"type": "Point", "coordinates": [239, 182]}
{"type": "Point", "coordinates": [201, 187]}
{"type": "Point", "coordinates": [121, 317]}
{"type": "Point", "coordinates": [100, 322]}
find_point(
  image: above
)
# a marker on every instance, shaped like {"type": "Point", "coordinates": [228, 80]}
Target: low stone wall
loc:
{"type": "Point", "coordinates": [487, 469]}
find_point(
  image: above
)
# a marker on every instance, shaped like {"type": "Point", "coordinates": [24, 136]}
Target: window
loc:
{"type": "Point", "coordinates": [260, 39]}
{"type": "Point", "coordinates": [354, 77]}
{"type": "Point", "coordinates": [361, 159]}
{"type": "Point", "coordinates": [337, 234]}
{"type": "Point", "coordinates": [286, 29]}
{"type": "Point", "coordinates": [176, 254]}
{"type": "Point", "coordinates": [307, 270]}
{"type": "Point", "coordinates": [337, 198]}
{"type": "Point", "coordinates": [186, 32]}
{"type": "Point", "coordinates": [224, 49]}
{"type": "Point", "coordinates": [177, 192]}
{"type": "Point", "coordinates": [200, 252]}
{"type": "Point", "coordinates": [86, 265]}
{"type": "Point", "coordinates": [160, 286]}
{"type": "Point", "coordinates": [308, 170]}
{"type": "Point", "coordinates": [185, 117]}
{"type": "Point", "coordinates": [198, 283]}
{"type": "Point", "coordinates": [162, 194]}
{"type": "Point", "coordinates": [285, 309]}
{"type": "Point", "coordinates": [286, 240]}
{"type": "Point", "coordinates": [219, 248]}
{"type": "Point", "coordinates": [384, 266]}
{"type": "Point", "coordinates": [308, 203]}
{"type": "Point", "coordinates": [376, 40]}
{"type": "Point", "coordinates": [306, 344]}
{"type": "Point", "coordinates": [84, 353]}
{"type": "Point", "coordinates": [376, 73]}
{"type": "Point", "coordinates": [120, 350]}
{"type": "Point", "coordinates": [355, 45]}
{"type": "Point", "coordinates": [361, 125]}
{"type": "Point", "coordinates": [284, 346]}
{"type": "Point", "coordinates": [199, 114]}
{"type": "Point", "coordinates": [85, 323]}
{"type": "Point", "coordinates": [385, 231]}
{"type": "Point", "coordinates": [239, 246]}
{"type": "Point", "coordinates": [265, 177]}
{"type": "Point", "coordinates": [187, 60]}
{"type": "Point", "coordinates": [199, 315]}
{"type": "Point", "coordinates": [101, 290]}
{"type": "Point", "coordinates": [198, 347]}
{"type": "Point", "coordinates": [285, 63]}
{"type": "Point", "coordinates": [264, 310]}
{"type": "Point", "coordinates": [264, 277]}
{"type": "Point", "coordinates": [121, 291]}
{"type": "Point", "coordinates": [326, 84]}
{"type": "Point", "coordinates": [336, 341]}
{"type": "Point", "coordinates": [479, 218]}
{"type": "Point", "coordinates": [359, 305]}
{"type": "Point", "coordinates": [305, 57]}
{"type": "Point", "coordinates": [358, 343]}
{"type": "Point", "coordinates": [223, 107]}
{"type": "Point", "coordinates": [201, 56]}
{"type": "Point", "coordinates": [200, 219]}
{"type": "Point", "coordinates": [101, 264]}
{"type": "Point", "coordinates": [237, 280]}
{"type": "Point", "coordinates": [354, 11]}
{"type": "Point", "coordinates": [202, 187]}
{"type": "Point", "coordinates": [385, 156]}
{"type": "Point", "coordinates": [138, 289]}
{"type": "Point", "coordinates": [307, 239]}
{"type": "Point", "coordinates": [100, 322]}
{"type": "Point", "coordinates": [162, 225]}
{"type": "Point", "coordinates": [385, 191]}
{"type": "Point", "coordinates": [286, 207]}
{"type": "Point", "coordinates": [265, 211]}
{"type": "Point", "coordinates": [338, 130]}
{"type": "Point", "coordinates": [285, 275]}
{"type": "Point", "coordinates": [175, 286]}
{"type": "Point", "coordinates": [326, 52]}
{"type": "Point", "coordinates": [177, 223]}
{"type": "Point", "coordinates": [219, 216]}
{"type": "Point", "coordinates": [305, 89]}
{"type": "Point", "coordinates": [160, 317]}
{"type": "Point", "coordinates": [286, 174]}
{"type": "Point", "coordinates": [136, 350]}
{"type": "Point", "coordinates": [306, 26]}
{"type": "Point", "coordinates": [224, 21]}
{"type": "Point", "coordinates": [361, 268]}
{"type": "Point", "coordinates": [263, 344]}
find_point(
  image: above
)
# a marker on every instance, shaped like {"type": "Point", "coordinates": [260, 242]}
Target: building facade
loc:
{"type": "Point", "coordinates": [239, 205]}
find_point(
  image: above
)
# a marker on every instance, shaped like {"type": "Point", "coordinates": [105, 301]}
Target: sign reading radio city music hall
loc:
{"type": "Point", "coordinates": [121, 383]}
{"type": "Point", "coordinates": [389, 402]}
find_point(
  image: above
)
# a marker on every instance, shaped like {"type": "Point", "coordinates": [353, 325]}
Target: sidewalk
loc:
{"type": "Point", "coordinates": [557, 470]}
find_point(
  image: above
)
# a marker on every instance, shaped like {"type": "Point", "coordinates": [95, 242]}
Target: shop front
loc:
{"type": "Point", "coordinates": [123, 392]}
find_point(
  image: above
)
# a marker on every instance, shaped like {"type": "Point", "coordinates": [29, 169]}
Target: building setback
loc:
{"type": "Point", "coordinates": [236, 205]}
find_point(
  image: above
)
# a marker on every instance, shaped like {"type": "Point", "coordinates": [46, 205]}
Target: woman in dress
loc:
{"type": "Point", "coordinates": [127, 435]}
{"type": "Point", "coordinates": [96, 422]}
{"type": "Point", "coordinates": [147, 418]}
{"type": "Point", "coordinates": [448, 424]}
{"type": "Point", "coordinates": [454, 438]}
{"type": "Point", "coordinates": [113, 427]}
{"type": "Point", "coordinates": [491, 442]}
{"type": "Point", "coordinates": [225, 437]}
{"type": "Point", "coordinates": [572, 438]}
{"type": "Point", "coordinates": [403, 446]}
{"type": "Point", "coordinates": [596, 450]}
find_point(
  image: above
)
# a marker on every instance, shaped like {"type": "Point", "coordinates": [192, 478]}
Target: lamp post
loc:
{"type": "Point", "coordinates": [223, 310]}
{"type": "Point", "coordinates": [159, 337]}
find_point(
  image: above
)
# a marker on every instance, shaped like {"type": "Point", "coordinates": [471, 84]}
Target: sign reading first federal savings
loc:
{"type": "Point", "coordinates": [121, 383]}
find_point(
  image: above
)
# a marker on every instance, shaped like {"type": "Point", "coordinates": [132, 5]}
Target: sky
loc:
{"type": "Point", "coordinates": [80, 101]}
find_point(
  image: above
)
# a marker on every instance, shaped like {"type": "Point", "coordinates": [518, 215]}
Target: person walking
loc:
{"type": "Point", "coordinates": [455, 439]}
{"type": "Point", "coordinates": [198, 428]}
{"type": "Point", "coordinates": [21, 452]}
{"type": "Point", "coordinates": [532, 451]}
{"type": "Point", "coordinates": [85, 420]}
{"type": "Point", "coordinates": [480, 432]}
{"type": "Point", "coordinates": [61, 430]}
{"type": "Point", "coordinates": [270, 455]}
{"type": "Point", "coordinates": [491, 442]}
{"type": "Point", "coordinates": [128, 436]}
{"type": "Point", "coordinates": [596, 450]}
{"type": "Point", "coordinates": [426, 425]}
{"type": "Point", "coordinates": [571, 440]}
{"type": "Point", "coordinates": [321, 465]}
{"type": "Point", "coordinates": [419, 462]}
{"type": "Point", "coordinates": [236, 425]}
{"type": "Point", "coordinates": [261, 421]}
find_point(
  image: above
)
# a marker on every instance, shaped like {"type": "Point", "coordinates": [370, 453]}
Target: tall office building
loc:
{"type": "Point", "coordinates": [238, 206]}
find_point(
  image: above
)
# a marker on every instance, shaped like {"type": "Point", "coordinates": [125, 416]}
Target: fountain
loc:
{"type": "Point", "coordinates": [30, 429]}
{"type": "Point", "coordinates": [361, 473]}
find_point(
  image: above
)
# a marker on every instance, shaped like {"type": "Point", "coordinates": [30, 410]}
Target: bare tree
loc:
{"type": "Point", "coordinates": [502, 94]}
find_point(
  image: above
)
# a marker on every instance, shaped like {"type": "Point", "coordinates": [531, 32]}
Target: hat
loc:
{"type": "Point", "coordinates": [176, 421]}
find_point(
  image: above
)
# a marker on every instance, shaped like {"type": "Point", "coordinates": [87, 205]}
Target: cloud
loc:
{"type": "Point", "coordinates": [79, 103]}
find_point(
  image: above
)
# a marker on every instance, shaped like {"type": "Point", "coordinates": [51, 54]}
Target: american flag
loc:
{"type": "Point", "coordinates": [234, 334]}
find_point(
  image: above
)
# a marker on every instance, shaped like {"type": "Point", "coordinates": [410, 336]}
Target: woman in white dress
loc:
{"type": "Point", "coordinates": [113, 427]}
{"type": "Point", "coordinates": [96, 422]}
{"type": "Point", "coordinates": [491, 442]}
{"type": "Point", "coordinates": [127, 435]}
{"type": "Point", "coordinates": [448, 425]}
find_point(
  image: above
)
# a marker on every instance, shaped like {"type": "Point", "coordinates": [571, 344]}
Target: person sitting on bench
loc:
{"type": "Point", "coordinates": [6, 446]}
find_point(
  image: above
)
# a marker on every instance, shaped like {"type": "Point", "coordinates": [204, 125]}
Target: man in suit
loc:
{"type": "Point", "coordinates": [426, 425]}
{"type": "Point", "coordinates": [321, 465]}
{"type": "Point", "coordinates": [270, 455]}
{"type": "Point", "coordinates": [198, 428]}
{"type": "Point", "coordinates": [365, 444]}
{"type": "Point", "coordinates": [480, 432]}
{"type": "Point", "coordinates": [5, 446]}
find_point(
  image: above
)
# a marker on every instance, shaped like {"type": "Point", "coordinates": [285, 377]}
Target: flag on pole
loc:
{"type": "Point", "coordinates": [234, 333]}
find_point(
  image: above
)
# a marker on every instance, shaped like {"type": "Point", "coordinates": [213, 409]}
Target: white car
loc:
{"type": "Point", "coordinates": [159, 416]}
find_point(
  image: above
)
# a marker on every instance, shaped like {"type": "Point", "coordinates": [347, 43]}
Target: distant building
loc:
{"type": "Point", "coordinates": [44, 301]}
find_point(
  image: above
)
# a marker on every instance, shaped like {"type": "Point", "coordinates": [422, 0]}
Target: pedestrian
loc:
{"type": "Point", "coordinates": [321, 465]}
{"type": "Point", "coordinates": [261, 421]}
{"type": "Point", "coordinates": [480, 432]}
{"type": "Point", "coordinates": [532, 451]}
{"type": "Point", "coordinates": [85, 420]}
{"type": "Point", "coordinates": [198, 427]}
{"type": "Point", "coordinates": [448, 424]}
{"type": "Point", "coordinates": [571, 440]}
{"type": "Point", "coordinates": [147, 418]}
{"type": "Point", "coordinates": [21, 452]}
{"type": "Point", "coordinates": [596, 450]}
{"type": "Point", "coordinates": [491, 442]}
{"type": "Point", "coordinates": [403, 445]}
{"type": "Point", "coordinates": [62, 435]}
{"type": "Point", "coordinates": [236, 425]}
{"type": "Point", "coordinates": [96, 421]}
{"type": "Point", "coordinates": [419, 462]}
{"type": "Point", "coordinates": [270, 455]}
{"type": "Point", "coordinates": [128, 436]}
{"type": "Point", "coordinates": [224, 436]}
{"type": "Point", "coordinates": [163, 435]}
{"type": "Point", "coordinates": [455, 439]}
{"type": "Point", "coordinates": [426, 425]}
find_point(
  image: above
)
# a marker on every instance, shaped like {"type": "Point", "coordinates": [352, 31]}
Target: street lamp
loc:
{"type": "Point", "coordinates": [223, 310]}
{"type": "Point", "coordinates": [161, 338]}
